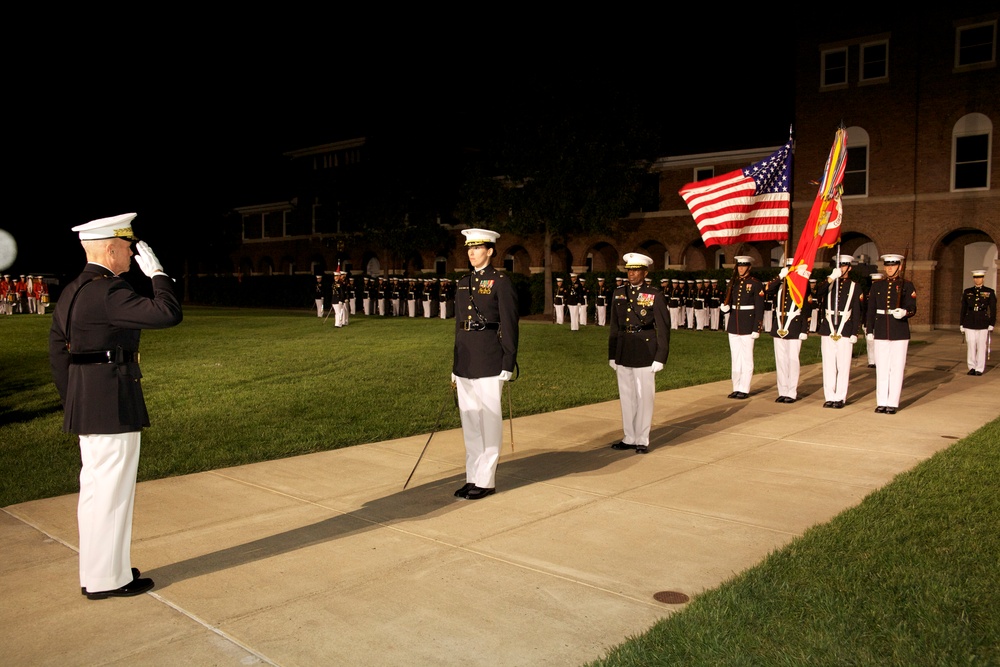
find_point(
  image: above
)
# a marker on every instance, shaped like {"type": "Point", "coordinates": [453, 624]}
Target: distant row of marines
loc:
{"type": "Point", "coordinates": [392, 297]}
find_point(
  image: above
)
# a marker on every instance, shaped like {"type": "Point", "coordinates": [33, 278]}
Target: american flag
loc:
{"type": "Point", "coordinates": [746, 205]}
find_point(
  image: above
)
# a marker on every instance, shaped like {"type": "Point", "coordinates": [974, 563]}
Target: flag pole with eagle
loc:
{"type": "Point", "coordinates": [822, 229]}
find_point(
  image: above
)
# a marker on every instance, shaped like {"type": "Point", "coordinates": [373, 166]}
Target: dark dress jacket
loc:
{"type": "Point", "coordinates": [979, 308]}
{"type": "Point", "coordinates": [746, 302]}
{"type": "Point", "coordinates": [783, 306]}
{"type": "Point", "coordinates": [834, 304]}
{"type": "Point", "coordinates": [639, 331]}
{"type": "Point", "coordinates": [486, 322]}
{"type": "Point", "coordinates": [107, 316]}
{"type": "Point", "coordinates": [887, 295]}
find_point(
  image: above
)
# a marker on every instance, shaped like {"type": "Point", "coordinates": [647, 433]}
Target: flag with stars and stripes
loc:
{"type": "Point", "coordinates": [746, 205]}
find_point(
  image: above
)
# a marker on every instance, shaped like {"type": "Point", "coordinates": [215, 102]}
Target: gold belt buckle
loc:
{"type": "Point", "coordinates": [782, 332]}
{"type": "Point", "coordinates": [835, 337]}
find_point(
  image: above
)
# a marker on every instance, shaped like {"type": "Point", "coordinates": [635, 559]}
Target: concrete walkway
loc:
{"type": "Point", "coordinates": [324, 559]}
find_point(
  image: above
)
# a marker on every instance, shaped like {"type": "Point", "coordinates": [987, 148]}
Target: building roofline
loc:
{"type": "Point", "coordinates": [742, 156]}
{"type": "Point", "coordinates": [326, 148]}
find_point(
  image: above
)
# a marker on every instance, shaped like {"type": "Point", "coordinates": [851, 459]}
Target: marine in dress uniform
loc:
{"type": "Point", "coordinates": [638, 345]}
{"type": "Point", "coordinates": [21, 290]}
{"type": "Point", "coordinates": [674, 303]}
{"type": "Point", "coordinates": [7, 295]}
{"type": "Point", "coordinates": [712, 302]}
{"type": "Point", "coordinates": [486, 334]}
{"type": "Point", "coordinates": [574, 297]}
{"type": "Point", "coordinates": [41, 295]}
{"type": "Point", "coordinates": [700, 305]}
{"type": "Point", "coordinates": [869, 349]}
{"type": "Point", "coordinates": [789, 327]}
{"type": "Point", "coordinates": [337, 299]}
{"type": "Point", "coordinates": [319, 296]}
{"type": "Point", "coordinates": [689, 298]}
{"type": "Point", "coordinates": [584, 302]}
{"type": "Point", "coordinates": [978, 317]}
{"type": "Point", "coordinates": [839, 304]}
{"type": "Point", "coordinates": [559, 302]}
{"type": "Point", "coordinates": [601, 298]}
{"type": "Point", "coordinates": [745, 303]}
{"type": "Point", "coordinates": [94, 356]}
{"type": "Point", "coordinates": [891, 304]}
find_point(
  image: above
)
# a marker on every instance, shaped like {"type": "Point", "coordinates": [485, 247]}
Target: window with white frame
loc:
{"type": "Point", "coordinates": [976, 44]}
{"type": "Point", "coordinates": [855, 181]}
{"type": "Point", "coordinates": [971, 140]}
{"type": "Point", "coordinates": [874, 61]}
{"type": "Point", "coordinates": [834, 67]}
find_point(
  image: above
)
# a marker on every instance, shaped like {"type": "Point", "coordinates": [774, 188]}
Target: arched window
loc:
{"type": "Point", "coordinates": [971, 141]}
{"type": "Point", "coordinates": [856, 170]}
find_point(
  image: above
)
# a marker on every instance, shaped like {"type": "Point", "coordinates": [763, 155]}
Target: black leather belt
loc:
{"type": "Point", "coordinates": [469, 325]}
{"type": "Point", "coordinates": [104, 357]}
{"type": "Point", "coordinates": [643, 327]}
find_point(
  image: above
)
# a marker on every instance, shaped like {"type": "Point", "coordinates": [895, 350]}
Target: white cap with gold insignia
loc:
{"type": "Point", "coordinates": [479, 236]}
{"type": "Point", "coordinates": [743, 260]}
{"type": "Point", "coordinates": [889, 260]}
{"type": "Point", "coordinates": [634, 260]}
{"type": "Point", "coordinates": [117, 226]}
{"type": "Point", "coordinates": [979, 273]}
{"type": "Point", "coordinates": [845, 260]}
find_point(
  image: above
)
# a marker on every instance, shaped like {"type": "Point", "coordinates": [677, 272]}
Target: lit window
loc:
{"type": "Point", "coordinates": [976, 44]}
{"type": "Point", "coordinates": [834, 67]}
{"type": "Point", "coordinates": [874, 61]}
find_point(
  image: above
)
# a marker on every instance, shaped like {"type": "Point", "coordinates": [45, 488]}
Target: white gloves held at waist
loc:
{"type": "Point", "coordinates": [506, 376]}
{"type": "Point", "coordinates": [853, 339]}
{"type": "Point", "coordinates": [899, 313]}
{"type": "Point", "coordinates": [657, 366]}
{"type": "Point", "coordinates": [147, 261]}
{"type": "Point", "coordinates": [869, 337]}
{"type": "Point", "coordinates": [755, 335]}
{"type": "Point", "coordinates": [724, 307]}
{"type": "Point", "coordinates": [803, 336]}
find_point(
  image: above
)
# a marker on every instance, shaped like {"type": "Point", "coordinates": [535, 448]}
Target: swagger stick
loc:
{"type": "Point", "coordinates": [454, 389]}
{"type": "Point", "coordinates": [510, 416]}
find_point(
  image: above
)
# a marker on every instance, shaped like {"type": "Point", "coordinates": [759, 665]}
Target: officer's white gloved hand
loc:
{"type": "Point", "coordinates": [783, 272]}
{"type": "Point", "coordinates": [803, 336]}
{"type": "Point", "coordinates": [506, 376]}
{"type": "Point", "coordinates": [899, 313]}
{"type": "Point", "coordinates": [853, 339]}
{"type": "Point", "coordinates": [836, 273]}
{"type": "Point", "coordinates": [989, 328]}
{"type": "Point", "coordinates": [961, 329]}
{"type": "Point", "coordinates": [454, 379]}
{"type": "Point", "coordinates": [803, 271]}
{"type": "Point", "coordinates": [755, 335]}
{"type": "Point", "coordinates": [724, 307]}
{"type": "Point", "coordinates": [614, 366]}
{"type": "Point", "coordinates": [657, 366]}
{"type": "Point", "coordinates": [147, 261]}
{"type": "Point", "coordinates": [870, 337]}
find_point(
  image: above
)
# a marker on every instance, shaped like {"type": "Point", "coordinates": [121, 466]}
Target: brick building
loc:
{"type": "Point", "coordinates": [919, 94]}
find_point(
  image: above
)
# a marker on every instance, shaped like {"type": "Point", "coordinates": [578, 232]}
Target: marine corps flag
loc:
{"type": "Point", "coordinates": [822, 229]}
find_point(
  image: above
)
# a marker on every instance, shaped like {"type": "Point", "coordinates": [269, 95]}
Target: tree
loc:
{"type": "Point", "coordinates": [568, 159]}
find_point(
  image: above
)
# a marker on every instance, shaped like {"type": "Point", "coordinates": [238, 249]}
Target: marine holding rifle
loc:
{"type": "Point", "coordinates": [891, 303]}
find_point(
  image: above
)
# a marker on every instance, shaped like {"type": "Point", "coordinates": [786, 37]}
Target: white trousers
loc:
{"type": "Point", "coordinates": [713, 319]}
{"type": "Point", "coordinates": [574, 317]}
{"type": "Point", "coordinates": [890, 365]}
{"type": "Point", "coordinates": [836, 367]}
{"type": "Point", "coordinates": [636, 389]}
{"type": "Point", "coordinates": [786, 362]}
{"type": "Point", "coordinates": [427, 308]}
{"type": "Point", "coordinates": [31, 304]}
{"type": "Point", "coordinates": [975, 340]}
{"type": "Point", "coordinates": [319, 307]}
{"type": "Point", "coordinates": [674, 321]}
{"type": "Point", "coordinates": [104, 509]}
{"type": "Point", "coordinates": [602, 315]}
{"type": "Point", "coordinates": [482, 428]}
{"type": "Point", "coordinates": [741, 354]}
{"type": "Point", "coordinates": [689, 312]}
{"type": "Point", "coordinates": [701, 319]}
{"type": "Point", "coordinates": [583, 314]}
{"type": "Point", "coordinates": [560, 314]}
{"type": "Point", "coordinates": [768, 314]}
{"type": "Point", "coordinates": [411, 307]}
{"type": "Point", "coordinates": [366, 304]}
{"type": "Point", "coordinates": [339, 314]}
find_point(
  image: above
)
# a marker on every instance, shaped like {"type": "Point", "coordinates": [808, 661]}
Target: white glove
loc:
{"type": "Point", "coordinates": [803, 336]}
{"type": "Point", "coordinates": [836, 273]}
{"type": "Point", "coordinates": [870, 337]}
{"type": "Point", "coordinates": [454, 379]}
{"type": "Point", "coordinates": [506, 376]}
{"type": "Point", "coordinates": [899, 313]}
{"type": "Point", "coordinates": [961, 329]}
{"type": "Point", "coordinates": [147, 261]}
{"type": "Point", "coordinates": [803, 271]}
{"type": "Point", "coordinates": [724, 307]}
{"type": "Point", "coordinates": [614, 366]}
{"type": "Point", "coordinates": [989, 328]}
{"type": "Point", "coordinates": [783, 272]}
{"type": "Point", "coordinates": [755, 335]}
{"type": "Point", "coordinates": [657, 366]}
{"type": "Point", "coordinates": [853, 339]}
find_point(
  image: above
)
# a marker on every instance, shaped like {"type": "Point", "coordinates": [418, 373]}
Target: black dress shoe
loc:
{"type": "Point", "coordinates": [871, 365]}
{"type": "Point", "coordinates": [789, 399]}
{"type": "Point", "coordinates": [735, 394]}
{"type": "Point", "coordinates": [742, 395]}
{"type": "Point", "coordinates": [134, 587]}
{"type": "Point", "coordinates": [828, 404]}
{"type": "Point", "coordinates": [464, 490]}
{"type": "Point", "coordinates": [475, 493]}
{"type": "Point", "coordinates": [641, 449]}
{"type": "Point", "coordinates": [881, 409]}
{"type": "Point", "coordinates": [838, 404]}
{"type": "Point", "coordinates": [622, 445]}
{"type": "Point", "coordinates": [780, 399]}
{"type": "Point", "coordinates": [979, 372]}
{"type": "Point", "coordinates": [890, 411]}
{"type": "Point", "coordinates": [135, 575]}
{"type": "Point", "coordinates": [972, 371]}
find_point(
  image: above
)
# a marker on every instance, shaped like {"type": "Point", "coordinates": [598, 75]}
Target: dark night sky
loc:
{"type": "Point", "coordinates": [176, 127]}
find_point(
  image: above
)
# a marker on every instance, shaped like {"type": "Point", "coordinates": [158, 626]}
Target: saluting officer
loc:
{"type": "Point", "coordinates": [979, 316]}
{"type": "Point", "coordinates": [746, 300]}
{"type": "Point", "coordinates": [891, 304]}
{"type": "Point", "coordinates": [839, 304]}
{"type": "Point", "coordinates": [485, 357]}
{"type": "Point", "coordinates": [638, 345]}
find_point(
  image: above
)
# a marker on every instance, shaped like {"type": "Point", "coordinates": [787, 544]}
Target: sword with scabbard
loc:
{"type": "Point", "coordinates": [454, 398]}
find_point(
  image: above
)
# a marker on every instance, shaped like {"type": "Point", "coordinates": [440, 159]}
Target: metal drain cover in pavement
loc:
{"type": "Point", "coordinates": [670, 597]}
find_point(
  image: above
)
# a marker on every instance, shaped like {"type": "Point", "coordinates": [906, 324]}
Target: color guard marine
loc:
{"type": "Point", "coordinates": [977, 319]}
{"type": "Point", "coordinates": [839, 302]}
{"type": "Point", "coordinates": [745, 305]}
{"type": "Point", "coordinates": [891, 304]}
{"type": "Point", "coordinates": [789, 327]}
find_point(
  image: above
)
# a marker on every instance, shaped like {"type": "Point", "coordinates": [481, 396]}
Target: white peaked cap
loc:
{"type": "Point", "coordinates": [117, 226]}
